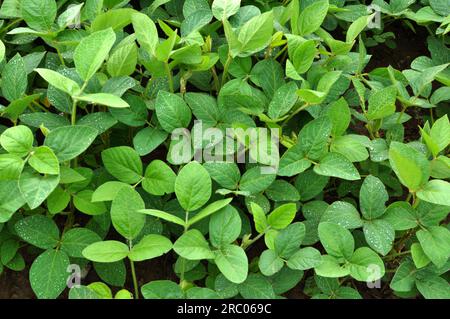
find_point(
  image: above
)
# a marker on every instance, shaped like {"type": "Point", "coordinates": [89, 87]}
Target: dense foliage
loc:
{"type": "Point", "coordinates": [92, 92]}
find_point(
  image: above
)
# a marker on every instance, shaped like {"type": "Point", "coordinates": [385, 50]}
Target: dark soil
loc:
{"type": "Point", "coordinates": [410, 45]}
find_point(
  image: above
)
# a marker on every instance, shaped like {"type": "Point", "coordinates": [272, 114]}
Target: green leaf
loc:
{"type": "Point", "coordinates": [76, 239]}
{"type": "Point", "coordinates": [283, 100]}
{"type": "Point", "coordinates": [336, 240]}
{"type": "Point", "coordinates": [435, 242]}
{"type": "Point", "coordinates": [96, 46]}
{"type": "Point", "coordinates": [195, 21]}
{"type": "Point", "coordinates": [305, 258]}
{"type": "Point", "coordinates": [351, 146]}
{"type": "Point", "coordinates": [337, 165]}
{"type": "Point", "coordinates": [69, 175]}
{"type": "Point", "coordinates": [435, 191]}
{"type": "Point", "coordinates": [204, 108]}
{"type": "Point", "coordinates": [356, 27]}
{"type": "Point", "coordinates": [116, 19]}
{"type": "Point", "coordinates": [38, 230]}
{"type": "Point", "coordinates": [104, 99]}
{"type": "Point", "coordinates": [36, 188]}
{"type": "Point", "coordinates": [162, 289]}
{"type": "Point", "coordinates": [379, 235]}
{"type": "Point", "coordinates": [124, 213]}
{"type": "Point", "coordinates": [312, 17]}
{"type": "Point", "coordinates": [401, 216]}
{"type": "Point", "coordinates": [135, 115]}
{"type": "Point", "coordinates": [372, 197]}
{"type": "Point", "coordinates": [419, 257]}
{"type": "Point", "coordinates": [304, 55]}
{"type": "Point", "coordinates": [39, 14]}
{"type": "Point", "coordinates": [433, 288]}
{"type": "Point", "coordinates": [14, 79]}
{"type": "Point", "coordinates": [58, 200]}
{"type": "Point", "coordinates": [148, 139]}
{"type": "Point", "coordinates": [8, 249]}
{"type": "Point", "coordinates": [382, 103]}
{"type": "Point", "coordinates": [366, 265]}
{"type": "Point", "coordinates": [172, 112]}
{"type": "Point", "coordinates": [255, 34]}
{"type": "Point", "coordinates": [223, 9]}
{"type": "Point", "coordinates": [259, 217]}
{"type": "Point", "coordinates": [225, 174]}
{"type": "Point", "coordinates": [282, 216]}
{"type": "Point", "coordinates": [17, 140]}
{"type": "Point", "coordinates": [11, 166]}
{"type": "Point", "coordinates": [193, 186]}
{"type": "Point", "coordinates": [106, 251]}
{"type": "Point", "coordinates": [343, 214]}
{"type": "Point", "coordinates": [59, 81]}
{"type": "Point", "coordinates": [107, 191]}
{"type": "Point", "coordinates": [269, 263]}
{"type": "Point", "coordinates": [282, 191]}
{"type": "Point", "coordinates": [48, 274]}
{"type": "Point", "coordinates": [2, 51]}
{"type": "Point", "coordinates": [151, 246]}
{"type": "Point", "coordinates": [256, 286]}
{"type": "Point", "coordinates": [293, 162]}
{"type": "Point", "coordinates": [404, 278]}
{"type": "Point", "coordinates": [440, 133]}
{"type": "Point", "coordinates": [123, 163]}
{"type": "Point", "coordinates": [208, 210]}
{"type": "Point", "coordinates": [67, 142]}
{"type": "Point", "coordinates": [288, 240]}
{"type": "Point", "coordinates": [331, 268]}
{"type": "Point", "coordinates": [145, 31]}
{"type": "Point", "coordinates": [44, 161]}
{"type": "Point", "coordinates": [339, 114]}
{"type": "Point", "coordinates": [123, 60]}
{"type": "Point", "coordinates": [224, 227]}
{"type": "Point", "coordinates": [313, 138]}
{"type": "Point", "coordinates": [83, 202]}
{"type": "Point", "coordinates": [255, 180]}
{"type": "Point", "coordinates": [232, 38]}
{"type": "Point", "coordinates": [411, 167]}
{"type": "Point", "coordinates": [166, 216]}
{"type": "Point", "coordinates": [159, 178]}
{"type": "Point", "coordinates": [232, 263]}
{"type": "Point", "coordinates": [193, 246]}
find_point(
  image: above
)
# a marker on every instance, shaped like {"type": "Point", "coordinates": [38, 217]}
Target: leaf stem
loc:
{"type": "Point", "coordinates": [169, 76]}
{"type": "Point", "coordinates": [250, 242]}
{"type": "Point", "coordinates": [73, 116]}
{"type": "Point", "coordinates": [225, 69]}
{"type": "Point", "coordinates": [215, 78]}
{"type": "Point", "coordinates": [135, 283]}
{"type": "Point", "coordinates": [183, 261]}
{"type": "Point", "coordinates": [391, 256]}
{"type": "Point", "coordinates": [6, 28]}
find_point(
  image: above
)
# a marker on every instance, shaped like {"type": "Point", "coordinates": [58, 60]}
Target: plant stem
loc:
{"type": "Point", "coordinates": [252, 241]}
{"type": "Point", "coordinates": [169, 76]}
{"type": "Point", "coordinates": [183, 261]}
{"type": "Point", "coordinates": [6, 28]}
{"type": "Point", "coordinates": [39, 106]}
{"type": "Point", "coordinates": [61, 59]}
{"type": "Point", "coordinates": [135, 283]}
{"type": "Point", "coordinates": [73, 116]}
{"type": "Point", "coordinates": [215, 78]}
{"type": "Point", "coordinates": [294, 113]}
{"type": "Point", "coordinates": [225, 69]}
{"type": "Point", "coordinates": [391, 256]}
